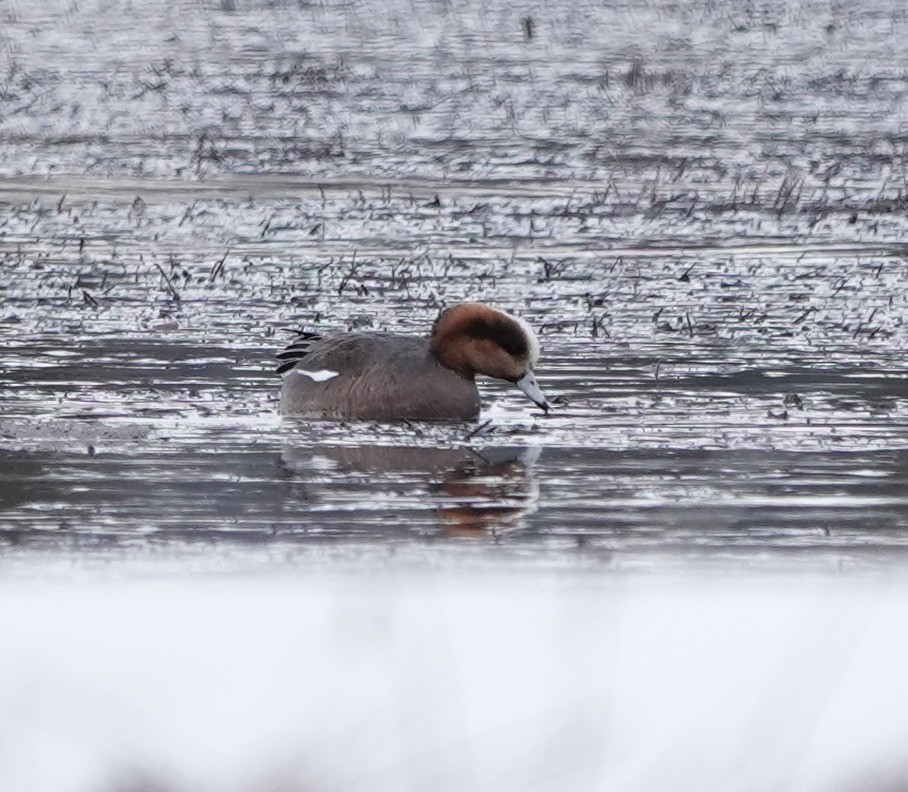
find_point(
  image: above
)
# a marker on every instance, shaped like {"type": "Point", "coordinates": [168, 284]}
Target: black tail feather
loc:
{"type": "Point", "coordinates": [296, 351]}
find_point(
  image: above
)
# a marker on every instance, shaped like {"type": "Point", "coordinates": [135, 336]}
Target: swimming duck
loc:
{"type": "Point", "coordinates": [389, 377]}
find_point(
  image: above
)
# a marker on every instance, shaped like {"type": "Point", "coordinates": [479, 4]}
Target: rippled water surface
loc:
{"type": "Point", "coordinates": [700, 208]}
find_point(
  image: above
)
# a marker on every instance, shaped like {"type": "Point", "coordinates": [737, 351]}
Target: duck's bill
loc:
{"type": "Point", "coordinates": [527, 383]}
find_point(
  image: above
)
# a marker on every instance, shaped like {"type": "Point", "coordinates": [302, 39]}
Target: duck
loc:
{"type": "Point", "coordinates": [393, 377]}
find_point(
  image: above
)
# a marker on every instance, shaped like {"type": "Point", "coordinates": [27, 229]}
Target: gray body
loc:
{"type": "Point", "coordinates": [380, 377]}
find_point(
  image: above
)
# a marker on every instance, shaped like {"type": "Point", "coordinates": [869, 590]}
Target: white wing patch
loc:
{"type": "Point", "coordinates": [316, 376]}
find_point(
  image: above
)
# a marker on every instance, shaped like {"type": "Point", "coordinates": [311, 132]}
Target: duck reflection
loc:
{"type": "Point", "coordinates": [488, 496]}
{"type": "Point", "coordinates": [473, 492]}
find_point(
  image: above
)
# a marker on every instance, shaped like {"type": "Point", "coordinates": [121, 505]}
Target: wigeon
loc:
{"type": "Point", "coordinates": [387, 377]}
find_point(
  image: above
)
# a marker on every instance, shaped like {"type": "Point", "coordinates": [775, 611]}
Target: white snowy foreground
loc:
{"type": "Point", "coordinates": [455, 681]}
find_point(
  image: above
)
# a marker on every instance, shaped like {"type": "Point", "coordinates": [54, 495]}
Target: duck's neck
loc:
{"type": "Point", "coordinates": [451, 357]}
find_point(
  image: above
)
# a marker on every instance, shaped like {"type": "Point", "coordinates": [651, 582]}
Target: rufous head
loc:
{"type": "Point", "coordinates": [472, 338]}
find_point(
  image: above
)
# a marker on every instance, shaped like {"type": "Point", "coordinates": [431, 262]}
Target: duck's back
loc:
{"type": "Point", "coordinates": [376, 376]}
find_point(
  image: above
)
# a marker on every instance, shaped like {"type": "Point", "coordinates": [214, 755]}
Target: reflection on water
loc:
{"type": "Point", "coordinates": [673, 451]}
{"type": "Point", "coordinates": [474, 491]}
{"type": "Point", "coordinates": [261, 496]}
{"type": "Point", "coordinates": [491, 497]}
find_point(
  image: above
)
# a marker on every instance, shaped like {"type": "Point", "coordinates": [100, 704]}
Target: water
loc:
{"type": "Point", "coordinates": [699, 206]}
{"type": "Point", "coordinates": [711, 400]}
